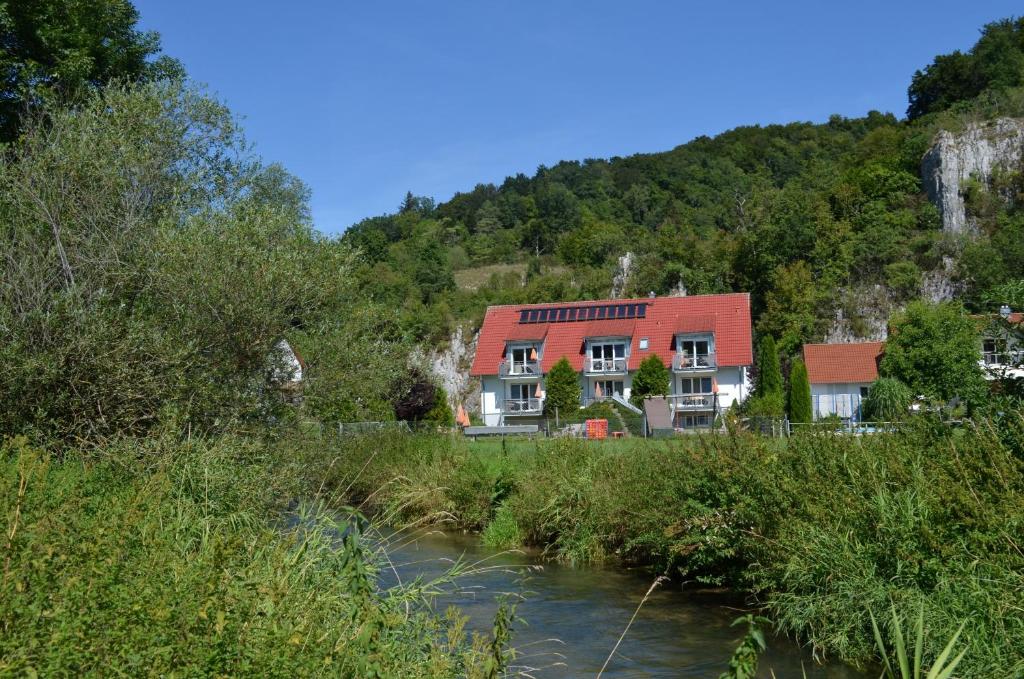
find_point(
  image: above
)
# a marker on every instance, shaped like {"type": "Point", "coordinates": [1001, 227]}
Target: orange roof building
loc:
{"type": "Point", "coordinates": [840, 376]}
{"type": "Point", "coordinates": [704, 340]}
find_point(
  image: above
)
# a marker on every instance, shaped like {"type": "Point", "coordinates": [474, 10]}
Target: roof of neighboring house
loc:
{"type": "Point", "coordinates": [728, 316]}
{"type": "Point", "coordinates": [1014, 318]}
{"type": "Point", "coordinates": [843, 363]}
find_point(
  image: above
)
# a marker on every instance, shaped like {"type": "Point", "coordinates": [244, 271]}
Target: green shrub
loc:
{"type": "Point", "coordinates": [160, 558]}
{"type": "Point", "coordinates": [800, 409]}
{"type": "Point", "coordinates": [888, 400]}
{"type": "Point", "coordinates": [562, 388]}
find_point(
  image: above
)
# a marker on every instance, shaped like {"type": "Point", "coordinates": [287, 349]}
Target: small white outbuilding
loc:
{"type": "Point", "coordinates": [840, 377]}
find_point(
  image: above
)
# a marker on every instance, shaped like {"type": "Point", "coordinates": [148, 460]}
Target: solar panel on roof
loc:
{"type": "Point", "coordinates": [583, 313]}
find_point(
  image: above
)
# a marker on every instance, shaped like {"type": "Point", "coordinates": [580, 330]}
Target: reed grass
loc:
{"type": "Point", "coordinates": [169, 558]}
{"type": "Point", "coordinates": [821, 530]}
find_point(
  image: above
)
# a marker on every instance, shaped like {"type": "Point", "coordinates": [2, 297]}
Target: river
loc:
{"type": "Point", "coordinates": [572, 616]}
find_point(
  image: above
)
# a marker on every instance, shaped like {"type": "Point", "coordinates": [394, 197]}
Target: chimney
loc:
{"type": "Point", "coordinates": [1004, 311]}
{"type": "Point", "coordinates": [651, 294]}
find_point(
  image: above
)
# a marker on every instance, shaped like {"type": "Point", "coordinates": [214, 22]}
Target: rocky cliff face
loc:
{"type": "Point", "coordinates": [451, 367]}
{"type": "Point", "coordinates": [975, 152]}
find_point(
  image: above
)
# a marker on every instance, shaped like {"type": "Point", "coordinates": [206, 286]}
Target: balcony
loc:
{"type": "Point", "coordinates": [1000, 359]}
{"type": "Point", "coordinates": [519, 369]}
{"type": "Point", "coordinates": [605, 366]}
{"type": "Point", "coordinates": [688, 363]}
{"type": "Point", "coordinates": [686, 402]}
{"type": "Point", "coordinates": [523, 406]}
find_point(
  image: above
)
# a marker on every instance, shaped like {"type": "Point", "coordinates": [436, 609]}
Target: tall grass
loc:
{"type": "Point", "coordinates": [822, 530]}
{"type": "Point", "coordinates": [165, 558]}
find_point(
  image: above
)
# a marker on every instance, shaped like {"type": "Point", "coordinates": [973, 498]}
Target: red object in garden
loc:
{"type": "Point", "coordinates": [597, 429]}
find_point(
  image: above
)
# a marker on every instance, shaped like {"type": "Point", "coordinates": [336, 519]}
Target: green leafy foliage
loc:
{"type": "Point", "coordinates": [167, 558]}
{"type": "Point", "coordinates": [651, 379]}
{"type": "Point", "coordinates": [934, 349]}
{"type": "Point", "coordinates": [888, 400]}
{"type": "Point", "coordinates": [51, 50]}
{"type": "Point", "coordinates": [769, 374]}
{"type": "Point", "coordinates": [824, 528]}
{"type": "Point", "coordinates": [800, 409]}
{"type": "Point", "coordinates": [561, 388]}
{"type": "Point", "coordinates": [995, 62]}
{"type": "Point", "coordinates": [743, 664]}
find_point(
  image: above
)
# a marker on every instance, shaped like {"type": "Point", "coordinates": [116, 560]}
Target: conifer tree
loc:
{"type": "Point", "coordinates": [799, 393]}
{"type": "Point", "coordinates": [563, 388]}
{"type": "Point", "coordinates": [769, 375]}
{"type": "Point", "coordinates": [651, 379]}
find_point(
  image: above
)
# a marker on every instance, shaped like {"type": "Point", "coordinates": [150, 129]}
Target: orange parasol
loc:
{"type": "Point", "coordinates": [597, 391]}
{"type": "Point", "coordinates": [714, 385]}
{"type": "Point", "coordinates": [533, 353]}
{"type": "Point", "coordinates": [537, 392]}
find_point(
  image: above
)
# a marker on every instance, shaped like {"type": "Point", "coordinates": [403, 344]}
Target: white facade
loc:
{"type": "Point", "coordinates": [501, 399]}
{"type": "Point", "coordinates": [844, 400]}
{"type": "Point", "coordinates": [1002, 356]}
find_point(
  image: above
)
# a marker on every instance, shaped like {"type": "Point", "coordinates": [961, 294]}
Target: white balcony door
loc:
{"type": "Point", "coordinates": [522, 392]}
{"type": "Point", "coordinates": [603, 355]}
{"type": "Point", "coordinates": [695, 347]}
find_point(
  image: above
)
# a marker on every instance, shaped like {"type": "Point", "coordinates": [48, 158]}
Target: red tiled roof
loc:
{"type": "Point", "coordinates": [696, 324]}
{"type": "Point", "coordinates": [728, 316]}
{"type": "Point", "coordinates": [527, 332]}
{"type": "Point", "coordinates": [843, 363]}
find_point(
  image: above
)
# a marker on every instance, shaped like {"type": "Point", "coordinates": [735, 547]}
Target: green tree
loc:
{"type": "Point", "coordinates": [995, 62]}
{"type": "Point", "coordinates": [55, 49]}
{"type": "Point", "coordinates": [799, 393]}
{"type": "Point", "coordinates": [562, 388]}
{"type": "Point", "coordinates": [652, 379]}
{"type": "Point", "coordinates": [769, 374]}
{"type": "Point", "coordinates": [888, 400]}
{"type": "Point", "coordinates": [934, 349]}
{"type": "Point", "coordinates": [790, 306]}
{"type": "Point", "coordinates": [441, 413]}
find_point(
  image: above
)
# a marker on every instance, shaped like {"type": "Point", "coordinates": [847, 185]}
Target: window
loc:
{"type": "Point", "coordinates": [643, 344]}
{"type": "Point", "coordinates": [519, 361]}
{"type": "Point", "coordinates": [522, 392]}
{"type": "Point", "coordinates": [609, 387]}
{"type": "Point", "coordinates": [696, 420]}
{"type": "Point", "coordinates": [992, 351]}
{"type": "Point", "coordinates": [863, 392]}
{"type": "Point", "coordinates": [694, 347]}
{"type": "Point", "coordinates": [608, 357]}
{"type": "Point", "coordinates": [695, 385]}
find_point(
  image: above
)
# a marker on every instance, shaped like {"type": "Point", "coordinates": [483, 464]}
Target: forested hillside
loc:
{"type": "Point", "coordinates": [814, 220]}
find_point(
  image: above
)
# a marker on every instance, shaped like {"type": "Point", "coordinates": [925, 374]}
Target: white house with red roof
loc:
{"type": "Point", "coordinates": [1002, 352]}
{"type": "Point", "coordinates": [704, 340]}
{"type": "Point", "coordinates": [840, 376]}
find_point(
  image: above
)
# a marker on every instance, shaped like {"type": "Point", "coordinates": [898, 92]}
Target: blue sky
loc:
{"type": "Point", "coordinates": [366, 100]}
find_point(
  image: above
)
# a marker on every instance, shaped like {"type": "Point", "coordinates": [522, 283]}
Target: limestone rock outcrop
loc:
{"type": "Point", "coordinates": [975, 152]}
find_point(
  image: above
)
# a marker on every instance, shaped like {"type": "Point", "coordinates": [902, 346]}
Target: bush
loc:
{"type": "Point", "coordinates": [163, 559]}
{"type": "Point", "coordinates": [562, 388]}
{"type": "Point", "coordinates": [652, 379]}
{"type": "Point", "coordinates": [888, 400]}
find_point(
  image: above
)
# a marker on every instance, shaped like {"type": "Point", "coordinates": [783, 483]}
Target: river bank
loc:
{"type": "Point", "coordinates": [571, 616]}
{"type": "Point", "coordinates": [821, 531]}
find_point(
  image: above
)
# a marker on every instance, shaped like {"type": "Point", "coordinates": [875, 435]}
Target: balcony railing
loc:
{"type": "Point", "coordinates": [692, 402]}
{"type": "Point", "coordinates": [520, 369]}
{"type": "Point", "coordinates": [692, 362]}
{"type": "Point", "coordinates": [1003, 358]}
{"type": "Point", "coordinates": [523, 406]}
{"type": "Point", "coordinates": [604, 366]}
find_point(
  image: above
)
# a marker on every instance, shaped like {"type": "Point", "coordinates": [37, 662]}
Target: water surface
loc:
{"type": "Point", "coordinates": [572, 616]}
